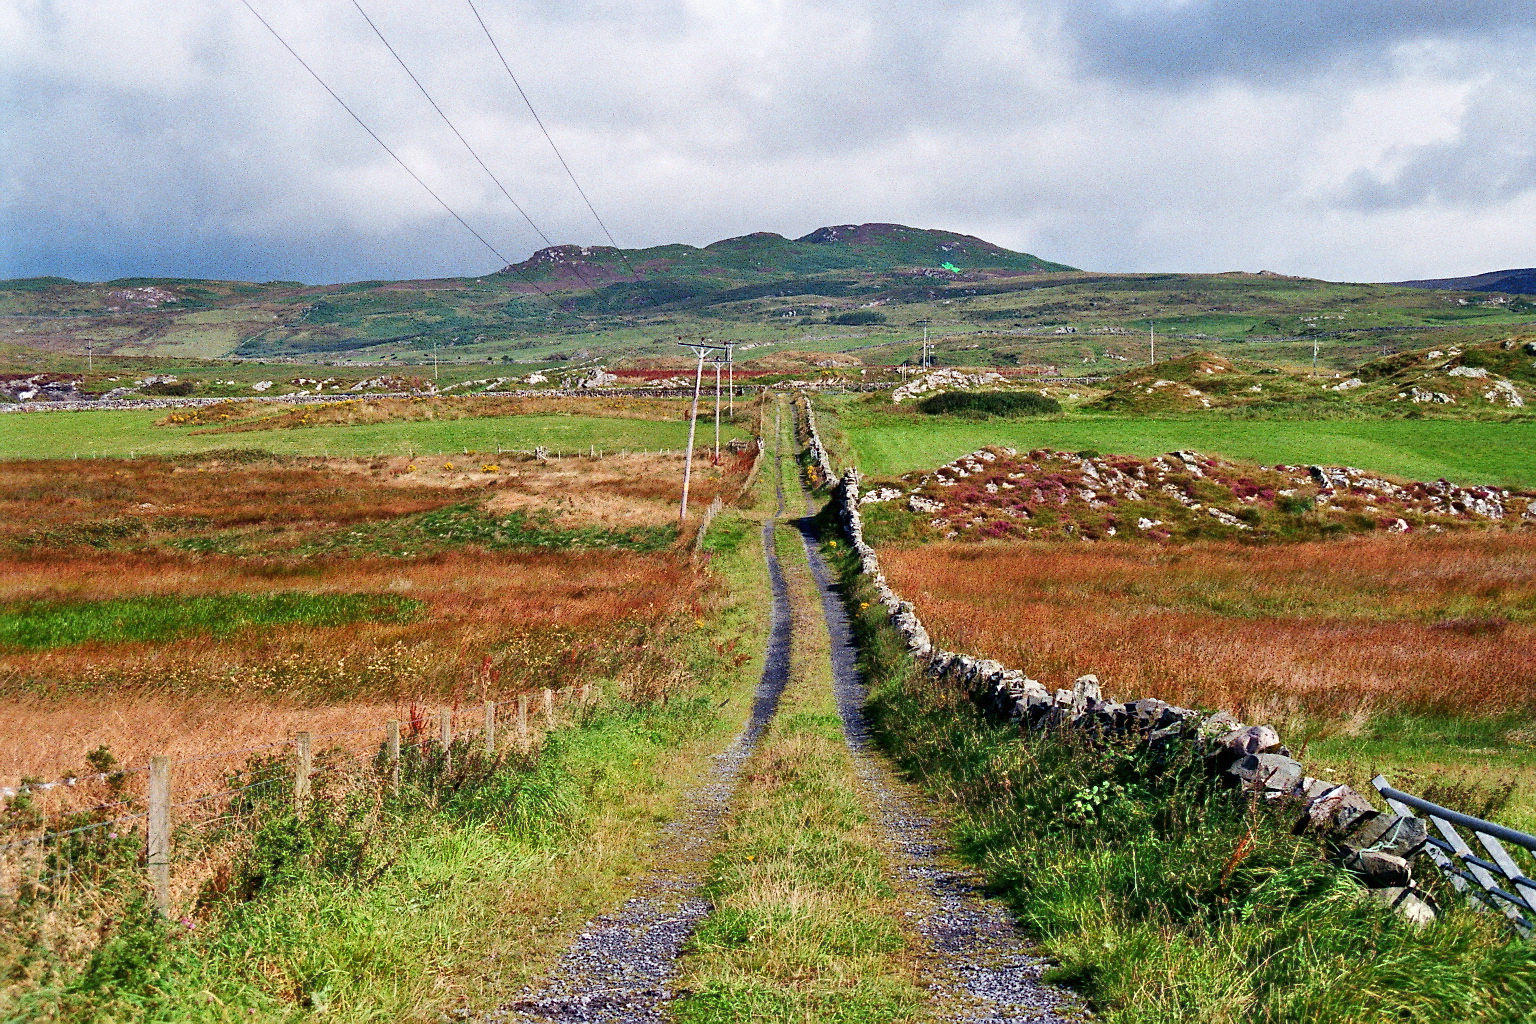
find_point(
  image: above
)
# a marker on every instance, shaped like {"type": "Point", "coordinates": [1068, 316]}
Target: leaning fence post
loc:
{"type": "Point", "coordinates": [549, 708]}
{"type": "Point", "coordinates": [490, 729]}
{"type": "Point", "coordinates": [158, 852]}
{"type": "Point", "coordinates": [303, 769]}
{"type": "Point", "coordinates": [392, 731]}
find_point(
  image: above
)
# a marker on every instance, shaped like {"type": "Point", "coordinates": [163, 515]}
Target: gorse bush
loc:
{"type": "Point", "coordinates": [1164, 897]}
{"type": "Point", "coordinates": [990, 403]}
{"type": "Point", "coordinates": [857, 318]}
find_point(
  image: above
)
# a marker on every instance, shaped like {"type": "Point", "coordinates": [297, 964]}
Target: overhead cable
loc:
{"type": "Point", "coordinates": [460, 136]}
{"type": "Point", "coordinates": [558, 155]}
{"type": "Point", "coordinates": [396, 157]}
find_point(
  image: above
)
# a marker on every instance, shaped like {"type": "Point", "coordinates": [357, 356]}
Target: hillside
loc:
{"type": "Point", "coordinates": [1512, 282]}
{"type": "Point", "coordinates": [849, 291]}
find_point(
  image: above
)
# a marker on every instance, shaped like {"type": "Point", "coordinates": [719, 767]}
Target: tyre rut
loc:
{"type": "Point", "coordinates": [622, 965]}
{"type": "Point", "coordinates": [978, 966]}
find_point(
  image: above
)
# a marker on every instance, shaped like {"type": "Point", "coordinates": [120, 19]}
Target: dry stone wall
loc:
{"type": "Point", "coordinates": [821, 462]}
{"type": "Point", "coordinates": [1378, 846]}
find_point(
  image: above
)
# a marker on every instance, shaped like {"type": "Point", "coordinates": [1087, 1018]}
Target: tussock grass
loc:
{"type": "Point", "coordinates": [1439, 625]}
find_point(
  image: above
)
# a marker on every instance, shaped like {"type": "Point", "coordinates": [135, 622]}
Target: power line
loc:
{"type": "Point", "coordinates": [460, 136]}
{"type": "Point", "coordinates": [558, 155]}
{"type": "Point", "coordinates": [396, 157]}
{"type": "Point", "coordinates": [372, 134]}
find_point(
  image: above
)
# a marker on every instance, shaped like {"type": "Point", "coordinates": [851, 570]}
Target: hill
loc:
{"type": "Point", "coordinates": [863, 292]}
{"type": "Point", "coordinates": [1512, 282]}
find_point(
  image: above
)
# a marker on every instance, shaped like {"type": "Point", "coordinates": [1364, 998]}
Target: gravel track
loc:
{"type": "Point", "coordinates": [621, 967]}
{"type": "Point", "coordinates": [979, 968]}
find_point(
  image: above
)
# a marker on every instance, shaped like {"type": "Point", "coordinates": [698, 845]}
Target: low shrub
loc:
{"type": "Point", "coordinates": [990, 403]}
{"type": "Point", "coordinates": [858, 318]}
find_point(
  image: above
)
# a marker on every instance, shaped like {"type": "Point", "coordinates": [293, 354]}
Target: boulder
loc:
{"type": "Point", "coordinates": [1397, 834]}
{"type": "Point", "coordinates": [1338, 810]}
{"type": "Point", "coordinates": [1379, 870]}
{"type": "Point", "coordinates": [1253, 739]}
{"type": "Point", "coordinates": [1087, 687]}
{"type": "Point", "coordinates": [1274, 772]}
{"type": "Point", "coordinates": [1412, 904]}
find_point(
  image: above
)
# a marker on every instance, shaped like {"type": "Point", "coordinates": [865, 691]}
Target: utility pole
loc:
{"type": "Point", "coordinates": [1314, 357]}
{"type": "Point", "coordinates": [717, 411]}
{"type": "Point", "coordinates": [90, 358]}
{"type": "Point", "coordinates": [1152, 337]}
{"type": "Point", "coordinates": [730, 362]}
{"type": "Point", "coordinates": [434, 365]}
{"type": "Point", "coordinates": [701, 350]}
{"type": "Point", "coordinates": [924, 362]}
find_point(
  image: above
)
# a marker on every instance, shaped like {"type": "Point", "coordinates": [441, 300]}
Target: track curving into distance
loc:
{"type": "Point", "coordinates": [621, 967]}
{"type": "Point", "coordinates": [979, 968]}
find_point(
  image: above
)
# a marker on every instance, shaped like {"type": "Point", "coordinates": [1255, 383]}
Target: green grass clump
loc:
{"type": "Point", "coordinates": [990, 403]}
{"type": "Point", "coordinates": [124, 432]}
{"type": "Point", "coordinates": [40, 625]}
{"type": "Point", "coordinates": [1163, 897]}
{"type": "Point", "coordinates": [467, 524]}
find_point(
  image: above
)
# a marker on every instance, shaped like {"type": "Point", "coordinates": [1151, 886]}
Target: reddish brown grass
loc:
{"type": "Point", "coordinates": [254, 416]}
{"type": "Point", "coordinates": [492, 624]}
{"type": "Point", "coordinates": [1425, 624]}
{"type": "Point", "coordinates": [50, 504]}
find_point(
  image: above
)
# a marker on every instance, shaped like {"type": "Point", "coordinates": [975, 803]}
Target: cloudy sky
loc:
{"type": "Point", "coordinates": [1346, 139]}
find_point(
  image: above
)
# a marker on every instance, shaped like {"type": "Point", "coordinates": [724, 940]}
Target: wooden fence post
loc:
{"type": "Point", "coordinates": [445, 734]}
{"type": "Point", "coordinates": [549, 708]}
{"type": "Point", "coordinates": [303, 769]}
{"type": "Point", "coordinates": [490, 729]}
{"type": "Point", "coordinates": [158, 854]}
{"type": "Point", "coordinates": [586, 694]}
{"type": "Point", "coordinates": [522, 722]}
{"type": "Point", "coordinates": [393, 747]}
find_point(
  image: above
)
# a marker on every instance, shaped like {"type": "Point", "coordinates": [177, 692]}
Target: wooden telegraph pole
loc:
{"type": "Point", "coordinates": [717, 410]}
{"type": "Point", "coordinates": [730, 362]}
{"type": "Point", "coordinates": [702, 349]}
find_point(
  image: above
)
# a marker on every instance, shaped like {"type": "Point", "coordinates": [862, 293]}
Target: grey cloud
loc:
{"type": "Point", "coordinates": [1491, 161]}
{"type": "Point", "coordinates": [181, 140]}
{"type": "Point", "coordinates": [1176, 43]}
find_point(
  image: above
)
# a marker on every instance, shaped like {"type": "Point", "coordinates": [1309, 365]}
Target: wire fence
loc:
{"type": "Point", "coordinates": [171, 828]}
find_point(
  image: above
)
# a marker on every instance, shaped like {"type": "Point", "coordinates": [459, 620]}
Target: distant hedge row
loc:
{"type": "Point", "coordinates": [990, 403]}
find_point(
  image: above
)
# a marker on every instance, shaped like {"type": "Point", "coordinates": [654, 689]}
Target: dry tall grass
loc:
{"type": "Point", "coordinates": [1422, 624]}
{"type": "Point", "coordinates": [253, 416]}
{"type": "Point", "coordinates": [492, 623]}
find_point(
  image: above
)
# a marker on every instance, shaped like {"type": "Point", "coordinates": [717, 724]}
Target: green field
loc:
{"type": "Point", "coordinates": [1464, 451]}
{"type": "Point", "coordinates": [39, 625]}
{"type": "Point", "coordinates": [55, 435]}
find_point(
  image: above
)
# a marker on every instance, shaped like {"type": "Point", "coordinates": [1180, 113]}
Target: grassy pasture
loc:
{"type": "Point", "coordinates": [246, 598]}
{"type": "Point", "coordinates": [1463, 451]}
{"type": "Point", "coordinates": [120, 433]}
{"type": "Point", "coordinates": [40, 625]}
{"type": "Point", "coordinates": [1408, 655]}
